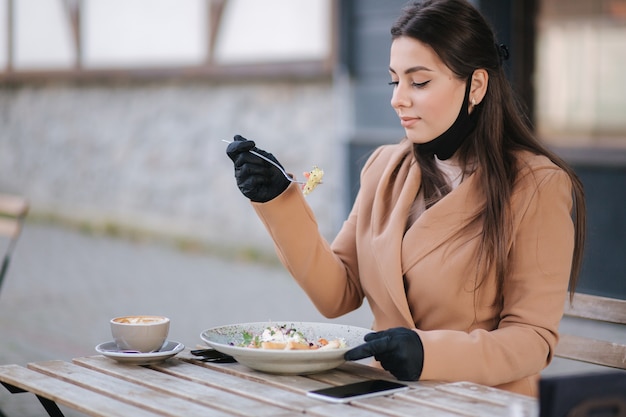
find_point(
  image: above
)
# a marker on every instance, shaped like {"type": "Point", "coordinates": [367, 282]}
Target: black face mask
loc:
{"type": "Point", "coordinates": [446, 144]}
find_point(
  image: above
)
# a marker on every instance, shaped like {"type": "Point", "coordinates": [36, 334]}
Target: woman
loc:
{"type": "Point", "coordinates": [464, 236]}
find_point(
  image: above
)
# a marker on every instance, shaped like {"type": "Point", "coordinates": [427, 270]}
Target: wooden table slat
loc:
{"type": "Point", "coordinates": [293, 383]}
{"type": "Point", "coordinates": [374, 372]}
{"type": "Point", "coordinates": [339, 377]}
{"type": "Point", "coordinates": [125, 391]}
{"type": "Point", "coordinates": [67, 394]}
{"type": "Point", "coordinates": [201, 385]}
{"type": "Point", "coordinates": [326, 409]}
{"type": "Point", "coordinates": [344, 374]}
{"type": "Point", "coordinates": [264, 392]}
{"type": "Point", "coordinates": [399, 406]}
{"type": "Point", "coordinates": [455, 403]}
{"type": "Point", "coordinates": [365, 371]}
{"type": "Point", "coordinates": [484, 394]}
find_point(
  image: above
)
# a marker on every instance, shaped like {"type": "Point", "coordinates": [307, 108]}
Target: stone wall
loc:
{"type": "Point", "coordinates": [150, 157]}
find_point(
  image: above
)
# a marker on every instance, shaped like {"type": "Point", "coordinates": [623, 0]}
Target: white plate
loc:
{"type": "Point", "coordinates": [169, 349]}
{"type": "Point", "coordinates": [289, 362]}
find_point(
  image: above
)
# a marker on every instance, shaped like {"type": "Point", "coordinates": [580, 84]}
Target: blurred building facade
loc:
{"type": "Point", "coordinates": [114, 111]}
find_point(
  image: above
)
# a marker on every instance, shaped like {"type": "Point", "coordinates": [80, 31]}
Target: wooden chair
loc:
{"type": "Point", "coordinates": [13, 210]}
{"type": "Point", "coordinates": [586, 349]}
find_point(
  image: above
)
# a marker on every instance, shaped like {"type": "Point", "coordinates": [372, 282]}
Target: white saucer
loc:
{"type": "Point", "coordinates": [169, 349]}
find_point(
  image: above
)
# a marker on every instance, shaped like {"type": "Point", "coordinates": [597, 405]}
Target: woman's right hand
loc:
{"type": "Point", "coordinates": [257, 179]}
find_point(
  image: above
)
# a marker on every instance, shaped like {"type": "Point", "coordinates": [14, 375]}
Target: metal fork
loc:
{"type": "Point", "coordinates": [289, 177]}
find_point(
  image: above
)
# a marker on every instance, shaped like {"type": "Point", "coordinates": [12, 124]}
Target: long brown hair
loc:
{"type": "Point", "coordinates": [464, 41]}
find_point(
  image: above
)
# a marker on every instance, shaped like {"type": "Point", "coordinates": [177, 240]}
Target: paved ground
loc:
{"type": "Point", "coordinates": [63, 286]}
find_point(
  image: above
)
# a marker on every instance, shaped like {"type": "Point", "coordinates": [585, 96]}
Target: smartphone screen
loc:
{"type": "Point", "coordinates": [357, 390]}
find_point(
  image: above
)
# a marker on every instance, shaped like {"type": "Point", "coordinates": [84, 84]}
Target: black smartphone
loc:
{"type": "Point", "coordinates": [357, 390]}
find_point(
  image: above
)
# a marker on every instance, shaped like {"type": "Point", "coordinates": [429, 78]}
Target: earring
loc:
{"type": "Point", "coordinates": [473, 101]}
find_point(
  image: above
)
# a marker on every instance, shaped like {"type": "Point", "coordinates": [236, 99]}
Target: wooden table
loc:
{"type": "Point", "coordinates": [183, 386]}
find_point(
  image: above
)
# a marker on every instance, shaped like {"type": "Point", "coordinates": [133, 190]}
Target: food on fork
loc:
{"type": "Point", "coordinates": [287, 338]}
{"type": "Point", "coordinates": [313, 179]}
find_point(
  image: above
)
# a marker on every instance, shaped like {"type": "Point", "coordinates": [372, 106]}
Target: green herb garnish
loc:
{"type": "Point", "coordinates": [247, 338]}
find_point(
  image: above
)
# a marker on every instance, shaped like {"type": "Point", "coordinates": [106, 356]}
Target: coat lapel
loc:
{"type": "Point", "coordinates": [438, 225]}
{"type": "Point", "coordinates": [396, 191]}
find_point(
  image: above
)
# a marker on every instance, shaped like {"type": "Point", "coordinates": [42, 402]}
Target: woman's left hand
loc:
{"type": "Point", "coordinates": [399, 351]}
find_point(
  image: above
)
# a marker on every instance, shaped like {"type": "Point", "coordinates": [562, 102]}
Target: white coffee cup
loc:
{"type": "Point", "coordinates": [140, 333]}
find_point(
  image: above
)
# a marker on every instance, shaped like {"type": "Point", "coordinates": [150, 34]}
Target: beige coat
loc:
{"type": "Point", "coordinates": [425, 278]}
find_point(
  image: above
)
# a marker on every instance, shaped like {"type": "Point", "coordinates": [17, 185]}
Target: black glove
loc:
{"type": "Point", "coordinates": [257, 179]}
{"type": "Point", "coordinates": [399, 351]}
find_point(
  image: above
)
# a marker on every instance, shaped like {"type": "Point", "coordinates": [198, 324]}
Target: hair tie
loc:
{"type": "Point", "coordinates": [503, 52]}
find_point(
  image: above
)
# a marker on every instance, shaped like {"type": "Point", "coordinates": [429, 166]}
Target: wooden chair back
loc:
{"type": "Point", "coordinates": [13, 211]}
{"type": "Point", "coordinates": [599, 352]}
